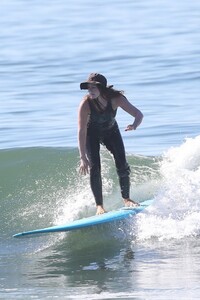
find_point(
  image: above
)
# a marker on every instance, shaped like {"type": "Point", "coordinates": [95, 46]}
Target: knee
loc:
{"type": "Point", "coordinates": [124, 170]}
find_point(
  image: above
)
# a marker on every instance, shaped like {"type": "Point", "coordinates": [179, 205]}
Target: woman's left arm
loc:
{"type": "Point", "coordinates": [123, 102]}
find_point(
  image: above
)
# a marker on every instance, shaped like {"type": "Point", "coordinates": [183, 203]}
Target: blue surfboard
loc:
{"type": "Point", "coordinates": [111, 216]}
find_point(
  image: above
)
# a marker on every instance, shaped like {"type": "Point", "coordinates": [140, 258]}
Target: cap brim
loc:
{"type": "Point", "coordinates": [84, 85]}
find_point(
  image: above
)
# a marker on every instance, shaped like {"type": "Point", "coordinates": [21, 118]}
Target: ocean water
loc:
{"type": "Point", "coordinates": [149, 49]}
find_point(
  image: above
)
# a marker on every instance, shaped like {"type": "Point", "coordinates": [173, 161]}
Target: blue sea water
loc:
{"type": "Point", "coordinates": [149, 49]}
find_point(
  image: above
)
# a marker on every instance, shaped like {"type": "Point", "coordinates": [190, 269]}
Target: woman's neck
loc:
{"type": "Point", "coordinates": [101, 103]}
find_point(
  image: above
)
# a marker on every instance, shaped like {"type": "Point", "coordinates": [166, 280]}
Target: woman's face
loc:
{"type": "Point", "coordinates": [93, 91]}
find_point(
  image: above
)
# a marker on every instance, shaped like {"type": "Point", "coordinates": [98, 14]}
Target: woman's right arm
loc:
{"type": "Point", "coordinates": [82, 134]}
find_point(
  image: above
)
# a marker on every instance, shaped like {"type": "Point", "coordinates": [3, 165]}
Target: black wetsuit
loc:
{"type": "Point", "coordinates": [103, 129]}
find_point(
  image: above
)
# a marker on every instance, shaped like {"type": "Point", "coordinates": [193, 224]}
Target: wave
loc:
{"type": "Point", "coordinates": [175, 213]}
{"type": "Point", "coordinates": [41, 187]}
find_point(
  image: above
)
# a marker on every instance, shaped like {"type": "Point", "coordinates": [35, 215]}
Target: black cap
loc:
{"type": "Point", "coordinates": [94, 78]}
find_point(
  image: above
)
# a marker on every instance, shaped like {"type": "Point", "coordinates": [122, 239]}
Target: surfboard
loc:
{"type": "Point", "coordinates": [115, 215]}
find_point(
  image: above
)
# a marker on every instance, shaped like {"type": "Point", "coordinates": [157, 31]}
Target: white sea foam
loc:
{"type": "Point", "coordinates": [176, 210]}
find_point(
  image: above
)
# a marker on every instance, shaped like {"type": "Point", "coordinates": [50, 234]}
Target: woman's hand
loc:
{"type": "Point", "coordinates": [130, 127]}
{"type": "Point", "coordinates": [84, 166]}
{"type": "Point", "coordinates": [130, 109]}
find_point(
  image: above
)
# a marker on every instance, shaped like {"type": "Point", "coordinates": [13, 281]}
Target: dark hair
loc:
{"type": "Point", "coordinates": [109, 92]}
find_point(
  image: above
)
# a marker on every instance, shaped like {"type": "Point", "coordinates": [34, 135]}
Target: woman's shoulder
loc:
{"type": "Point", "coordinates": [117, 100]}
{"type": "Point", "coordinates": [85, 103]}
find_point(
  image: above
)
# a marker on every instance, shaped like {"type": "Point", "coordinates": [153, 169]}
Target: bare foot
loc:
{"type": "Point", "coordinates": [100, 210]}
{"type": "Point", "coordinates": [130, 203]}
